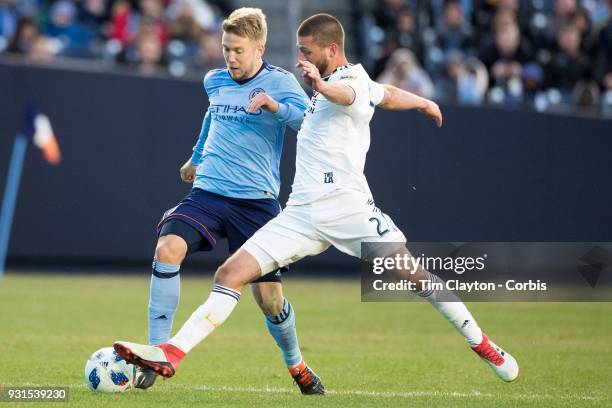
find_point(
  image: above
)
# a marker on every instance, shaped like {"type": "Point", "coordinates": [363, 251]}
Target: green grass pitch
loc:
{"type": "Point", "coordinates": [368, 354]}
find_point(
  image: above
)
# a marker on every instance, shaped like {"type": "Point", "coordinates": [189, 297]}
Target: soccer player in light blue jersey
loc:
{"type": "Point", "coordinates": [235, 174]}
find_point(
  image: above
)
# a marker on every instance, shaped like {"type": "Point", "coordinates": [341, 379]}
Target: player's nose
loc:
{"type": "Point", "coordinates": [231, 58]}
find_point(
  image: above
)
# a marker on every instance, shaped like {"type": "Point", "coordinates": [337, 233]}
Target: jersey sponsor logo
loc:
{"type": "Point", "coordinates": [256, 92]}
{"type": "Point", "coordinates": [328, 177]}
{"type": "Point", "coordinates": [232, 113]}
{"type": "Point", "coordinates": [234, 109]}
{"type": "Point", "coordinates": [348, 77]}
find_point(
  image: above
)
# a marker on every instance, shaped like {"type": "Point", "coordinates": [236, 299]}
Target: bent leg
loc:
{"type": "Point", "coordinates": [279, 237]}
{"type": "Point", "coordinates": [351, 215]}
{"type": "Point", "coordinates": [456, 313]}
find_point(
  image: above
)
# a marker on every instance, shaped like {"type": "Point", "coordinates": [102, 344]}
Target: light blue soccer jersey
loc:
{"type": "Point", "coordinates": [238, 153]}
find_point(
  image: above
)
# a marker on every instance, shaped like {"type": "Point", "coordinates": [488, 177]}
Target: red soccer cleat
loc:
{"type": "Point", "coordinates": [163, 359]}
{"type": "Point", "coordinates": [502, 363]}
{"type": "Point", "coordinates": [306, 379]}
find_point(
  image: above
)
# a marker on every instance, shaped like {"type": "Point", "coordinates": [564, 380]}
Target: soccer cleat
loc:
{"type": "Point", "coordinates": [306, 379]}
{"type": "Point", "coordinates": [163, 359]}
{"type": "Point", "coordinates": [502, 363]}
{"type": "Point", "coordinates": [145, 378]}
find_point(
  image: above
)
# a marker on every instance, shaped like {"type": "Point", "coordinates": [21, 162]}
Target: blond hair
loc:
{"type": "Point", "coordinates": [247, 22]}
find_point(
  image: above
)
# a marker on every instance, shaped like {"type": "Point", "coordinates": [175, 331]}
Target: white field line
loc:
{"type": "Point", "coordinates": [391, 394]}
{"type": "Point", "coordinates": [385, 394]}
{"type": "Point", "coordinates": [361, 393]}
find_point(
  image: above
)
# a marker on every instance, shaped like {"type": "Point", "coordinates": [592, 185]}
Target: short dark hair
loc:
{"type": "Point", "coordinates": [324, 28]}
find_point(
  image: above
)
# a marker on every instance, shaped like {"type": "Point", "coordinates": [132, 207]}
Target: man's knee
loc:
{"type": "Point", "coordinates": [226, 275]}
{"type": "Point", "coordinates": [171, 249]}
{"type": "Point", "coordinates": [240, 269]}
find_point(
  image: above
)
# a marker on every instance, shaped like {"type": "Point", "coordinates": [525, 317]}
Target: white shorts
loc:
{"type": "Point", "coordinates": [343, 218]}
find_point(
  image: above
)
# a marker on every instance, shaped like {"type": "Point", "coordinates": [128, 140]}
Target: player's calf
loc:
{"type": "Point", "coordinates": [269, 297]}
{"type": "Point", "coordinates": [165, 287]}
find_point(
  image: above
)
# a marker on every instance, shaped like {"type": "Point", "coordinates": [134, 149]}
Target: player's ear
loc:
{"type": "Point", "coordinates": [332, 50]}
{"type": "Point", "coordinates": [261, 48]}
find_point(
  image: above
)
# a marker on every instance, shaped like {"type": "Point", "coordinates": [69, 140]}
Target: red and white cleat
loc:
{"type": "Point", "coordinates": [307, 380]}
{"type": "Point", "coordinates": [163, 359]}
{"type": "Point", "coordinates": [502, 363]}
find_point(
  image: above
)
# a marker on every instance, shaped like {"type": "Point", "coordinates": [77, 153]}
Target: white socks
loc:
{"type": "Point", "coordinates": [206, 318]}
{"type": "Point", "coordinates": [454, 311]}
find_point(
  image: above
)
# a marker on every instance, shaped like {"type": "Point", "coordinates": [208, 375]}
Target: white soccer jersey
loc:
{"type": "Point", "coordinates": [331, 203]}
{"type": "Point", "coordinates": [334, 139]}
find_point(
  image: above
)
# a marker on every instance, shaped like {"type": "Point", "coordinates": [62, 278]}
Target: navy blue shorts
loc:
{"type": "Point", "coordinates": [216, 217]}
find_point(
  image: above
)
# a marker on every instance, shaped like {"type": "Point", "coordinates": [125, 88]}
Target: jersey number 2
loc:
{"type": "Point", "coordinates": [378, 230]}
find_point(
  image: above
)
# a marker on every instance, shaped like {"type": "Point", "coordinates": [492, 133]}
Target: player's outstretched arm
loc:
{"type": "Point", "coordinates": [399, 99]}
{"type": "Point", "coordinates": [335, 92]}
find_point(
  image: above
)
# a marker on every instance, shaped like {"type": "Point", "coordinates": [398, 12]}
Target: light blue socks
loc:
{"type": "Point", "coordinates": [163, 300]}
{"type": "Point", "coordinates": [282, 328]}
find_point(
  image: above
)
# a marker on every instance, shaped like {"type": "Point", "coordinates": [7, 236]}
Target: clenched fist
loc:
{"type": "Point", "coordinates": [188, 171]}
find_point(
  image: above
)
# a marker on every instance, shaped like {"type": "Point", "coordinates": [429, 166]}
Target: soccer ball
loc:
{"type": "Point", "coordinates": [106, 371]}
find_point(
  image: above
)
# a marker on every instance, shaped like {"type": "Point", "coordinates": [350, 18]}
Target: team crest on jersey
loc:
{"type": "Point", "coordinates": [255, 92]}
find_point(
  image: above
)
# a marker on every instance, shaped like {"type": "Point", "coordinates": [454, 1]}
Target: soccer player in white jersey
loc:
{"type": "Point", "coordinates": [330, 203]}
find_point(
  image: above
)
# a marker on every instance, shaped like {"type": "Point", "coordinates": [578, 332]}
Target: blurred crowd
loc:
{"type": "Point", "coordinates": [552, 55]}
{"type": "Point", "coordinates": [180, 36]}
